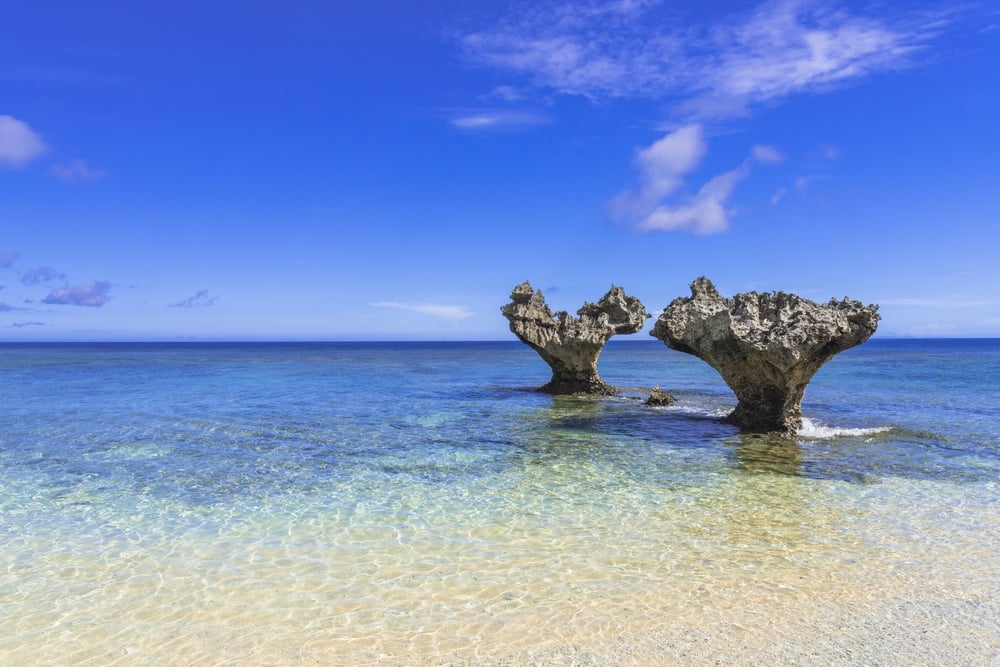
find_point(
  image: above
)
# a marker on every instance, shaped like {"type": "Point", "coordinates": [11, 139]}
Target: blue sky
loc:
{"type": "Point", "coordinates": [319, 171]}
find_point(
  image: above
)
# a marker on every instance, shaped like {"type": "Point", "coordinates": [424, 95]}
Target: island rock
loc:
{"type": "Point", "coordinates": [571, 345]}
{"type": "Point", "coordinates": [660, 398]}
{"type": "Point", "coordinates": [767, 347]}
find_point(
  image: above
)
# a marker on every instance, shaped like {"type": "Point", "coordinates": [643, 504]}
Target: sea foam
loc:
{"type": "Point", "coordinates": [818, 430]}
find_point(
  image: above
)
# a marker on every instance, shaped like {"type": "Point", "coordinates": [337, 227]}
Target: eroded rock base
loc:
{"type": "Point", "coordinates": [572, 345]}
{"type": "Point", "coordinates": [767, 347]}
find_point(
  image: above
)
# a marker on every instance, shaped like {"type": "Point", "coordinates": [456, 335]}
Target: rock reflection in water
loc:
{"type": "Point", "coordinates": [768, 453]}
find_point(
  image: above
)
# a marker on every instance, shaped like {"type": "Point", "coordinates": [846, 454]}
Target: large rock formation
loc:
{"type": "Point", "coordinates": [766, 346]}
{"type": "Point", "coordinates": [571, 345]}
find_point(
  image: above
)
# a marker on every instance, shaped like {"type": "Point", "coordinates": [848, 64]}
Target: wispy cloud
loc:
{"type": "Point", "coordinates": [21, 325]}
{"type": "Point", "coordinates": [508, 94]}
{"type": "Point", "coordinates": [43, 275]}
{"type": "Point", "coordinates": [829, 152]}
{"type": "Point", "coordinates": [791, 46]}
{"type": "Point", "coordinates": [663, 167]}
{"type": "Point", "coordinates": [7, 258]}
{"type": "Point", "coordinates": [19, 144]}
{"type": "Point", "coordinates": [767, 154]}
{"type": "Point", "coordinates": [705, 70]}
{"type": "Point", "coordinates": [6, 308]}
{"type": "Point", "coordinates": [709, 70]}
{"type": "Point", "coordinates": [94, 294]}
{"type": "Point", "coordinates": [497, 119]}
{"type": "Point", "coordinates": [198, 300]}
{"type": "Point", "coordinates": [801, 183]}
{"type": "Point", "coordinates": [77, 172]}
{"type": "Point", "coordinates": [587, 48]}
{"type": "Point", "coordinates": [447, 312]}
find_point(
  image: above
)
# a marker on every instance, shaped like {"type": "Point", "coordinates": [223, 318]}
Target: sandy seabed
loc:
{"type": "Point", "coordinates": [725, 577]}
{"type": "Point", "coordinates": [789, 616]}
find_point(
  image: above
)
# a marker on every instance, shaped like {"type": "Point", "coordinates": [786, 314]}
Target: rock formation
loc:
{"type": "Point", "coordinates": [766, 346]}
{"type": "Point", "coordinates": [571, 345]}
{"type": "Point", "coordinates": [660, 398]}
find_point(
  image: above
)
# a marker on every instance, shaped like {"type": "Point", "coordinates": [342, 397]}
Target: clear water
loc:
{"type": "Point", "coordinates": [419, 504]}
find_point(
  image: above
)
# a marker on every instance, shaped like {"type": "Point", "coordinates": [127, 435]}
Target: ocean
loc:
{"type": "Point", "coordinates": [419, 503]}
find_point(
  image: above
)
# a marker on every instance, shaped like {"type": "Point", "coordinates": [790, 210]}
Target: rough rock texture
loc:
{"type": "Point", "coordinates": [571, 345]}
{"type": "Point", "coordinates": [658, 397]}
{"type": "Point", "coordinates": [766, 346]}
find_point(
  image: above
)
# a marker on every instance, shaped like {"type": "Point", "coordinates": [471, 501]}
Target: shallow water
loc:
{"type": "Point", "coordinates": [418, 504]}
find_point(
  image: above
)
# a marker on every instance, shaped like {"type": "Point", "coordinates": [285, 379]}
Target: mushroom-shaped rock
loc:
{"type": "Point", "coordinates": [767, 347]}
{"type": "Point", "coordinates": [571, 345]}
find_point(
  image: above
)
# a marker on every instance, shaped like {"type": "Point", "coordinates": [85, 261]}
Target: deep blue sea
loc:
{"type": "Point", "coordinates": [419, 503]}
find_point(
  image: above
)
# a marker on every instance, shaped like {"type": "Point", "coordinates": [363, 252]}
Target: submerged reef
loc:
{"type": "Point", "coordinates": [571, 345]}
{"type": "Point", "coordinates": [767, 347]}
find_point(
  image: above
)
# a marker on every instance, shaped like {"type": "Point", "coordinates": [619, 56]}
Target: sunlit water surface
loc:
{"type": "Point", "coordinates": [419, 504]}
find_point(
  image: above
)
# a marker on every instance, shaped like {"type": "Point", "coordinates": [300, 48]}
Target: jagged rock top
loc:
{"type": "Point", "coordinates": [571, 345]}
{"type": "Point", "coordinates": [786, 325]}
{"type": "Point", "coordinates": [765, 346]}
{"type": "Point", "coordinates": [614, 313]}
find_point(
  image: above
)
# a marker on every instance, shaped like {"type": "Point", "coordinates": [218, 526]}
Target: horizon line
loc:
{"type": "Point", "coordinates": [358, 341]}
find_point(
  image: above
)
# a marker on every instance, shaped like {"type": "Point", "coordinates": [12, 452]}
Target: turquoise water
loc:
{"type": "Point", "coordinates": [420, 504]}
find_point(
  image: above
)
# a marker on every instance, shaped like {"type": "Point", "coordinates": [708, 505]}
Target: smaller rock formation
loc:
{"type": "Point", "coordinates": [571, 345]}
{"type": "Point", "coordinates": [658, 397]}
{"type": "Point", "coordinates": [767, 347]}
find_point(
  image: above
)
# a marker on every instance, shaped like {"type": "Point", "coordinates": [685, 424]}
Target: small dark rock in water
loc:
{"type": "Point", "coordinates": [767, 347]}
{"type": "Point", "coordinates": [571, 345]}
{"type": "Point", "coordinates": [658, 397]}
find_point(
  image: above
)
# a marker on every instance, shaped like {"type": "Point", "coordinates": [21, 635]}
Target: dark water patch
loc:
{"type": "Point", "coordinates": [860, 459]}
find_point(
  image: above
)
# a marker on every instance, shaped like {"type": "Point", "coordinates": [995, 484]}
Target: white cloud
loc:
{"type": "Point", "coordinates": [663, 168]}
{"type": "Point", "coordinates": [77, 172]}
{"type": "Point", "coordinates": [789, 46]}
{"type": "Point", "coordinates": [767, 154]}
{"type": "Point", "coordinates": [711, 70]}
{"type": "Point", "coordinates": [19, 144]}
{"type": "Point", "coordinates": [447, 312]}
{"type": "Point", "coordinates": [505, 94]}
{"type": "Point", "coordinates": [778, 195]}
{"type": "Point", "coordinates": [474, 121]}
{"type": "Point", "coordinates": [667, 160]}
{"type": "Point", "coordinates": [497, 119]}
{"type": "Point", "coordinates": [703, 214]}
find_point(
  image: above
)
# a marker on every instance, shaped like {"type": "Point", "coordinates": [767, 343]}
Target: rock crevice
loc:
{"type": "Point", "coordinates": [572, 345]}
{"type": "Point", "coordinates": [766, 347]}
